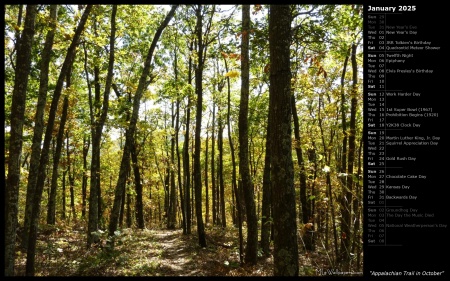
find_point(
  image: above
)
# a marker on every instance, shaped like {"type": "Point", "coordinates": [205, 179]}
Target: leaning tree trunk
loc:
{"type": "Point", "coordinates": [121, 182]}
{"type": "Point", "coordinates": [51, 212]}
{"type": "Point", "coordinates": [71, 52]}
{"type": "Point", "coordinates": [282, 170]}
{"type": "Point", "coordinates": [23, 66]}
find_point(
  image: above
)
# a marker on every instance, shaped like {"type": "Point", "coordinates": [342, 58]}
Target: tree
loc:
{"type": "Point", "coordinates": [347, 195]}
{"type": "Point", "coordinates": [39, 122]}
{"type": "Point", "coordinates": [97, 122]}
{"type": "Point", "coordinates": [120, 186]}
{"type": "Point", "coordinates": [282, 175]}
{"type": "Point", "coordinates": [202, 43]}
{"type": "Point", "coordinates": [51, 212]}
{"type": "Point", "coordinates": [23, 65]}
{"type": "Point", "coordinates": [70, 56]}
{"type": "Point", "coordinates": [247, 185]}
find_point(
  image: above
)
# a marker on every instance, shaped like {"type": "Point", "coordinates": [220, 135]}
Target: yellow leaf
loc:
{"type": "Point", "coordinates": [232, 74]}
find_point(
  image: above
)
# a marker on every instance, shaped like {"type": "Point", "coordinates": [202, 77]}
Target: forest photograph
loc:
{"type": "Point", "coordinates": [183, 140]}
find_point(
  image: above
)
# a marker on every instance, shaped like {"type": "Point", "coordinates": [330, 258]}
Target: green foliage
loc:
{"type": "Point", "coordinates": [321, 41]}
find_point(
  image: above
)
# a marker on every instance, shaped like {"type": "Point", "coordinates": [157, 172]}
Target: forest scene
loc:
{"type": "Point", "coordinates": [183, 140]}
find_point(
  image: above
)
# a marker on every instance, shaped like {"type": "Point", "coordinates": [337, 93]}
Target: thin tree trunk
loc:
{"type": "Point", "coordinates": [247, 184]}
{"type": "Point", "coordinates": [348, 195]}
{"type": "Point", "coordinates": [39, 123]}
{"type": "Point", "coordinates": [71, 178]}
{"type": "Point", "coordinates": [186, 168]}
{"type": "Point", "coordinates": [266, 219]}
{"type": "Point", "coordinates": [198, 122]}
{"type": "Point", "coordinates": [51, 212]}
{"type": "Point", "coordinates": [113, 221]}
{"type": "Point", "coordinates": [221, 180]}
{"type": "Point", "coordinates": [138, 187]}
{"type": "Point", "coordinates": [86, 145]}
{"type": "Point", "coordinates": [213, 166]}
{"type": "Point", "coordinates": [206, 175]}
{"type": "Point", "coordinates": [97, 128]}
{"type": "Point", "coordinates": [357, 209]}
{"type": "Point", "coordinates": [234, 185]}
{"type": "Point", "coordinates": [129, 219]}
{"type": "Point", "coordinates": [180, 186]}
{"type": "Point", "coordinates": [71, 52]}
{"type": "Point", "coordinates": [173, 195]}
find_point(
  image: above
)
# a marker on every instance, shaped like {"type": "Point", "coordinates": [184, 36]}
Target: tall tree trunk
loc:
{"type": "Point", "coordinates": [343, 167]}
{"type": "Point", "coordinates": [132, 127]}
{"type": "Point", "coordinates": [220, 170]}
{"type": "Point", "coordinates": [129, 219]}
{"type": "Point", "coordinates": [356, 245]}
{"type": "Point", "coordinates": [187, 180]}
{"type": "Point", "coordinates": [247, 184]}
{"type": "Point", "coordinates": [23, 65]}
{"type": "Point", "coordinates": [213, 166]}
{"type": "Point", "coordinates": [266, 220]}
{"type": "Point", "coordinates": [282, 173]}
{"type": "Point", "coordinates": [198, 126]}
{"type": "Point", "coordinates": [234, 185]}
{"type": "Point", "coordinates": [71, 52]}
{"type": "Point", "coordinates": [51, 213]}
{"type": "Point", "coordinates": [173, 195]}
{"type": "Point", "coordinates": [39, 123]}
{"type": "Point", "coordinates": [347, 200]}
{"type": "Point", "coordinates": [97, 129]}
{"type": "Point", "coordinates": [86, 144]}
{"type": "Point", "coordinates": [71, 171]}
{"type": "Point", "coordinates": [305, 207]}
{"type": "Point", "coordinates": [63, 196]}
{"type": "Point", "coordinates": [180, 186]}
{"type": "Point", "coordinates": [186, 161]}
{"type": "Point", "coordinates": [138, 187]}
{"type": "Point", "coordinates": [206, 175]}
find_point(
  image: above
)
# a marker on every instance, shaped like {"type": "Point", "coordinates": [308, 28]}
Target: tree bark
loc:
{"type": "Point", "coordinates": [38, 129]}
{"type": "Point", "coordinates": [186, 160]}
{"type": "Point", "coordinates": [247, 184]}
{"type": "Point", "coordinates": [138, 186]}
{"type": "Point", "coordinates": [71, 52]}
{"type": "Point", "coordinates": [97, 129]}
{"type": "Point", "coordinates": [121, 182]}
{"type": "Point", "coordinates": [305, 207]}
{"type": "Point", "coordinates": [51, 213]}
{"type": "Point", "coordinates": [282, 174]}
{"type": "Point", "coordinates": [213, 167]}
{"type": "Point", "coordinates": [173, 195]}
{"type": "Point", "coordinates": [71, 178]}
{"type": "Point", "coordinates": [23, 66]}
{"type": "Point", "coordinates": [266, 219]}
{"type": "Point", "coordinates": [198, 123]}
{"type": "Point", "coordinates": [347, 193]}
{"type": "Point", "coordinates": [220, 172]}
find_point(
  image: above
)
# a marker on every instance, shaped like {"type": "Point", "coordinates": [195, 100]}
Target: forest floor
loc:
{"type": "Point", "coordinates": [61, 251]}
